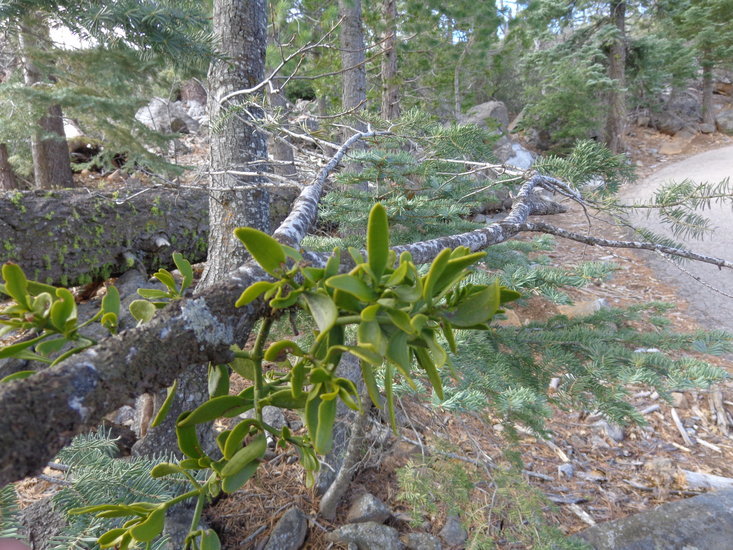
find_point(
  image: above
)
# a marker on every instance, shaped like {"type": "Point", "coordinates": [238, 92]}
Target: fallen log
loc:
{"type": "Point", "coordinates": [75, 236]}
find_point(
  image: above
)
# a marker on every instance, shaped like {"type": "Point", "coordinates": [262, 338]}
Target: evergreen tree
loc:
{"type": "Point", "coordinates": [708, 26]}
{"type": "Point", "coordinates": [102, 84]}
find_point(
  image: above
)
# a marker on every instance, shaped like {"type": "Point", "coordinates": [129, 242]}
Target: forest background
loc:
{"type": "Point", "coordinates": [565, 77]}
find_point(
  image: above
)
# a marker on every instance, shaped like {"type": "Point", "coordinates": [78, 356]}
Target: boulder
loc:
{"type": "Point", "coordinates": [367, 507]}
{"type": "Point", "coordinates": [503, 149]}
{"type": "Point", "coordinates": [422, 541]}
{"type": "Point", "coordinates": [682, 109]}
{"type": "Point", "coordinates": [289, 531]}
{"type": "Point", "coordinates": [702, 522]}
{"type": "Point", "coordinates": [367, 536]}
{"type": "Point", "coordinates": [453, 532]}
{"type": "Point", "coordinates": [193, 91]}
{"type": "Point", "coordinates": [491, 115]}
{"type": "Point", "coordinates": [167, 117]}
{"type": "Point", "coordinates": [521, 158]}
{"type": "Point", "coordinates": [724, 121]}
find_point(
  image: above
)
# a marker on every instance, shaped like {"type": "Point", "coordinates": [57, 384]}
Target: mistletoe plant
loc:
{"type": "Point", "coordinates": [399, 315]}
{"type": "Point", "coordinates": [50, 314]}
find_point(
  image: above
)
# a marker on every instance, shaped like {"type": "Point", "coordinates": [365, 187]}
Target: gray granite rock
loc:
{"type": "Point", "coordinates": [704, 522]}
{"type": "Point", "coordinates": [367, 507]}
{"type": "Point", "coordinates": [289, 531]}
{"type": "Point", "coordinates": [453, 532]}
{"type": "Point", "coordinates": [422, 541]}
{"type": "Point", "coordinates": [367, 536]}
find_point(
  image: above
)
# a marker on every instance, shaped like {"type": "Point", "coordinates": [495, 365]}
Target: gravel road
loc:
{"type": "Point", "coordinates": [712, 309]}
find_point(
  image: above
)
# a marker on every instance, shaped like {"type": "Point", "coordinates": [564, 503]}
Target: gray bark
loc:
{"type": "Point", "coordinates": [7, 176]}
{"type": "Point", "coordinates": [353, 58]}
{"type": "Point", "coordinates": [72, 237]}
{"type": "Point", "coordinates": [51, 164]}
{"type": "Point", "coordinates": [616, 122]}
{"type": "Point", "coordinates": [236, 201]}
{"type": "Point", "coordinates": [241, 36]}
{"type": "Point", "coordinates": [708, 114]}
{"type": "Point", "coordinates": [390, 91]}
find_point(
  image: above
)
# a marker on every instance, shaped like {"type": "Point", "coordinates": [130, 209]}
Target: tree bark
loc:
{"type": "Point", "coordinates": [708, 114]}
{"type": "Point", "coordinates": [390, 91]}
{"type": "Point", "coordinates": [72, 237]}
{"type": "Point", "coordinates": [236, 201]}
{"type": "Point", "coordinates": [353, 58]}
{"type": "Point", "coordinates": [8, 181]}
{"type": "Point", "coordinates": [96, 236]}
{"type": "Point", "coordinates": [51, 163]}
{"type": "Point", "coordinates": [240, 30]}
{"type": "Point", "coordinates": [616, 122]}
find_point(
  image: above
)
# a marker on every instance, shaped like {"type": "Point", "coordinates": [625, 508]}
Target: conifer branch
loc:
{"type": "Point", "coordinates": [638, 245]}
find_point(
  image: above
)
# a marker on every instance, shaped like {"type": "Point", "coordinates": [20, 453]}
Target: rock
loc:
{"type": "Point", "coordinates": [521, 158]}
{"type": "Point", "coordinates": [706, 128]}
{"type": "Point", "coordinates": [274, 417]}
{"type": "Point", "coordinates": [566, 469]}
{"type": "Point", "coordinates": [681, 109]}
{"type": "Point", "coordinates": [491, 115]}
{"type": "Point", "coordinates": [614, 431]}
{"type": "Point", "coordinates": [367, 507]}
{"type": "Point", "coordinates": [702, 522]}
{"type": "Point", "coordinates": [367, 536]}
{"type": "Point", "coordinates": [197, 111]}
{"type": "Point", "coordinates": [453, 532]}
{"type": "Point", "coordinates": [167, 117]}
{"type": "Point", "coordinates": [679, 400]}
{"type": "Point", "coordinates": [422, 541]}
{"type": "Point", "coordinates": [680, 142]}
{"type": "Point", "coordinates": [289, 531]}
{"type": "Point", "coordinates": [503, 149]}
{"type": "Point", "coordinates": [723, 88]}
{"type": "Point", "coordinates": [193, 91]}
{"type": "Point", "coordinates": [724, 121]}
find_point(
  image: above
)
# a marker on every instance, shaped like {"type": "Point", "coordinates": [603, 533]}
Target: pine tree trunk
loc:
{"type": "Point", "coordinates": [353, 58]}
{"type": "Point", "coordinates": [616, 122]}
{"type": "Point", "coordinates": [235, 201]}
{"type": "Point", "coordinates": [8, 182]}
{"type": "Point", "coordinates": [708, 114]}
{"type": "Point", "coordinates": [51, 163]}
{"type": "Point", "coordinates": [390, 92]}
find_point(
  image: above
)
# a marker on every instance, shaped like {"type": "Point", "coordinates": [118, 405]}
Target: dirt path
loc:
{"type": "Point", "coordinates": [708, 290]}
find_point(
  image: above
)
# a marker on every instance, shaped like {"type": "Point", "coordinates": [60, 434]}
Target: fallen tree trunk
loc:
{"type": "Point", "coordinates": [75, 236]}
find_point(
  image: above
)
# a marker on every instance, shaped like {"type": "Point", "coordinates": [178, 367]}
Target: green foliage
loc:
{"type": "Point", "coordinates": [597, 358]}
{"type": "Point", "coordinates": [52, 314]}
{"type": "Point", "coordinates": [132, 49]}
{"type": "Point", "coordinates": [499, 510]}
{"type": "Point", "coordinates": [97, 476]}
{"type": "Point", "coordinates": [401, 318]}
{"type": "Point", "coordinates": [561, 89]}
{"type": "Point", "coordinates": [9, 513]}
{"type": "Point", "coordinates": [588, 161]}
{"type": "Point", "coordinates": [654, 62]}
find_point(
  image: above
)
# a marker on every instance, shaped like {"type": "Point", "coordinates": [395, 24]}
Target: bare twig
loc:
{"type": "Point", "coordinates": [681, 428]}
